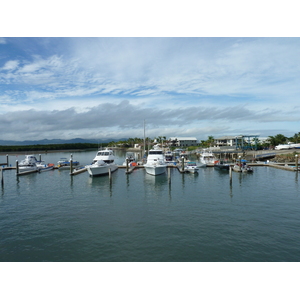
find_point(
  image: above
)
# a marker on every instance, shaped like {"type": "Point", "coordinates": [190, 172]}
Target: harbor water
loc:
{"type": "Point", "coordinates": [52, 216]}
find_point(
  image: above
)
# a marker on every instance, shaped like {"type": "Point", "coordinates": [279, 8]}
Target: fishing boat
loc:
{"type": "Point", "coordinates": [65, 164]}
{"type": "Point", "coordinates": [191, 167]}
{"type": "Point", "coordinates": [242, 167]}
{"type": "Point", "coordinates": [130, 158]}
{"type": "Point", "coordinates": [103, 163]}
{"type": "Point", "coordinates": [207, 157]}
{"type": "Point", "coordinates": [28, 164]}
{"type": "Point", "coordinates": [221, 165]}
{"type": "Point", "coordinates": [155, 164]}
{"type": "Point", "coordinates": [169, 158]}
{"type": "Point", "coordinates": [42, 166]}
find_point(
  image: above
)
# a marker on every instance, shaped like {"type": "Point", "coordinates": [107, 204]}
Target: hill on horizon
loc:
{"type": "Point", "coordinates": [57, 141]}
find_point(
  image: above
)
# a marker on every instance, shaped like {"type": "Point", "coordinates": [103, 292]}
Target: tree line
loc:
{"type": "Point", "coordinates": [49, 147]}
{"type": "Point", "coordinates": [271, 141]}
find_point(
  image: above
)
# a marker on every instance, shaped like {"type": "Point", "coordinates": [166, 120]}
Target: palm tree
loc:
{"type": "Point", "coordinates": [210, 140]}
{"type": "Point", "coordinates": [271, 140]}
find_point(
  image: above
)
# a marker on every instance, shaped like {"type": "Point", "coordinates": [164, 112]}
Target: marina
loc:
{"type": "Point", "coordinates": [209, 215]}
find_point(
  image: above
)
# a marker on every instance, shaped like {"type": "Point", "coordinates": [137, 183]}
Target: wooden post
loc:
{"type": "Point", "coordinates": [230, 175]}
{"type": "Point", "coordinates": [2, 180]}
{"type": "Point", "coordinates": [40, 157]}
{"type": "Point", "coordinates": [182, 167]}
{"type": "Point", "coordinates": [71, 166]}
{"type": "Point", "coordinates": [169, 175]}
{"type": "Point", "coordinates": [127, 164]}
{"type": "Point", "coordinates": [17, 167]}
{"type": "Point", "coordinates": [240, 163]}
{"type": "Point", "coordinates": [296, 156]}
{"type": "Point", "coordinates": [7, 160]}
{"type": "Point", "coordinates": [109, 174]}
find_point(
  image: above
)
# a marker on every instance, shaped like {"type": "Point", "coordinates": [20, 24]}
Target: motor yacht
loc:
{"type": "Point", "coordinates": [155, 164]}
{"type": "Point", "coordinates": [102, 163]}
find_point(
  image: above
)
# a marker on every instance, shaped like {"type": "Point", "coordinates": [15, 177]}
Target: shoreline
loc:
{"type": "Point", "coordinates": [65, 150]}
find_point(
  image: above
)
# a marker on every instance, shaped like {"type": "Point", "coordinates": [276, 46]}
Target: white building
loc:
{"type": "Point", "coordinates": [228, 141]}
{"type": "Point", "coordinates": [183, 141]}
{"type": "Point", "coordinates": [239, 142]}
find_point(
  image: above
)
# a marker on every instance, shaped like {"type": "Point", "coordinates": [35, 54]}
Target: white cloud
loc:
{"type": "Point", "coordinates": [10, 65]}
{"type": "Point", "coordinates": [168, 81]}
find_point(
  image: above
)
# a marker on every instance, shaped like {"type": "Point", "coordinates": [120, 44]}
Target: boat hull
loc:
{"type": "Point", "coordinates": [222, 167]}
{"type": "Point", "coordinates": [192, 170]}
{"type": "Point", "coordinates": [44, 169]}
{"type": "Point", "coordinates": [155, 170]}
{"type": "Point", "coordinates": [95, 170]}
{"type": "Point", "coordinates": [26, 169]}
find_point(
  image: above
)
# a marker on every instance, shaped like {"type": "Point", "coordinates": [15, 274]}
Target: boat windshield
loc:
{"type": "Point", "coordinates": [155, 152]}
{"type": "Point", "coordinates": [103, 153]}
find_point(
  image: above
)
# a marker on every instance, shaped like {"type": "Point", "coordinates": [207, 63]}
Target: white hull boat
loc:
{"type": "Point", "coordinates": [29, 167]}
{"type": "Point", "coordinates": [282, 147]}
{"type": "Point", "coordinates": [155, 162]}
{"type": "Point", "coordinates": [242, 168]}
{"type": "Point", "coordinates": [103, 163]}
{"type": "Point", "coordinates": [191, 167]}
{"type": "Point", "coordinates": [42, 167]}
{"type": "Point", "coordinates": [101, 168]}
{"type": "Point", "coordinates": [130, 158]}
{"type": "Point", "coordinates": [28, 164]}
{"type": "Point", "coordinates": [207, 157]}
{"type": "Point", "coordinates": [155, 169]}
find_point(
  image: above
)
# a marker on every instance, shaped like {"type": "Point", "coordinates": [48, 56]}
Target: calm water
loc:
{"type": "Point", "coordinates": [52, 216]}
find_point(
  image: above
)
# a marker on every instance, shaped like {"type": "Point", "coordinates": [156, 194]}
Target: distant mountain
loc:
{"type": "Point", "coordinates": [58, 141]}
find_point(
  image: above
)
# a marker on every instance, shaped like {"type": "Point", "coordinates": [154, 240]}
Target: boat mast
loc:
{"type": "Point", "coordinates": [144, 140]}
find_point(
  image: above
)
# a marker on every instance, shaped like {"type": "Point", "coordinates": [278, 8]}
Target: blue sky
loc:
{"type": "Point", "coordinates": [106, 87]}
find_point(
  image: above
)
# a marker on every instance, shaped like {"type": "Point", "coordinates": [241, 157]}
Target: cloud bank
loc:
{"type": "Point", "coordinates": [97, 87]}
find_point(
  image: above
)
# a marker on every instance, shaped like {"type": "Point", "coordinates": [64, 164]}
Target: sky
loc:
{"type": "Point", "coordinates": [107, 87]}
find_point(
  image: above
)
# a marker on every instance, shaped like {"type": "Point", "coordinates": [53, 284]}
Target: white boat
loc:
{"type": "Point", "coordinates": [42, 166]}
{"type": "Point", "coordinates": [28, 164]}
{"type": "Point", "coordinates": [201, 165]}
{"type": "Point", "coordinates": [102, 163]}
{"type": "Point", "coordinates": [207, 157]}
{"type": "Point", "coordinates": [191, 167]}
{"type": "Point", "coordinates": [242, 167]}
{"type": "Point", "coordinates": [130, 157]}
{"type": "Point", "coordinates": [282, 147]}
{"type": "Point", "coordinates": [65, 164]}
{"type": "Point", "coordinates": [292, 145]}
{"type": "Point", "coordinates": [155, 164]}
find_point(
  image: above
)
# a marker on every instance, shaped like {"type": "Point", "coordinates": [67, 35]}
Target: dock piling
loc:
{"type": "Point", "coordinates": [296, 158]}
{"type": "Point", "coordinates": [17, 167]}
{"type": "Point", "coordinates": [109, 174]}
{"type": "Point", "coordinates": [2, 180]}
{"type": "Point", "coordinates": [71, 166]}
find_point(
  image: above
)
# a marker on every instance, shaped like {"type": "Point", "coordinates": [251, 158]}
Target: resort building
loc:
{"type": "Point", "coordinates": [229, 141]}
{"type": "Point", "coordinates": [237, 142]}
{"type": "Point", "coordinates": [183, 141]}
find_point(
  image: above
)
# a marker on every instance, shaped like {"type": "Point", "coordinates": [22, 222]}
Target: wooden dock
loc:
{"type": "Point", "coordinates": [78, 171]}
{"type": "Point", "coordinates": [284, 167]}
{"type": "Point", "coordinates": [27, 172]}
